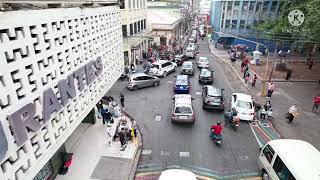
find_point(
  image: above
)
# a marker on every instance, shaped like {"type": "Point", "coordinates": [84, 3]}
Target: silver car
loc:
{"type": "Point", "coordinates": [187, 68]}
{"type": "Point", "coordinates": [182, 110]}
{"type": "Point", "coordinates": [141, 80]}
{"type": "Point", "coordinates": [203, 62]}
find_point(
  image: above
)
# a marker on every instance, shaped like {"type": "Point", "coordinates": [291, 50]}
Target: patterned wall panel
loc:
{"type": "Point", "coordinates": [38, 48]}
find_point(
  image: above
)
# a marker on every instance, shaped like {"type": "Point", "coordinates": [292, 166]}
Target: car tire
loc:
{"type": "Point", "coordinates": [155, 84]}
{"type": "Point", "coordinates": [134, 88]}
{"type": "Point", "coordinates": [264, 175]}
{"type": "Point", "coordinates": [164, 74]}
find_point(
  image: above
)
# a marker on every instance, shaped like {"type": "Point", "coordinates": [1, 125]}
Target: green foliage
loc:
{"type": "Point", "coordinates": [308, 31]}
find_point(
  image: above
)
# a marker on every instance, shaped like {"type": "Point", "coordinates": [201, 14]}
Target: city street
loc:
{"type": "Point", "coordinates": [167, 145]}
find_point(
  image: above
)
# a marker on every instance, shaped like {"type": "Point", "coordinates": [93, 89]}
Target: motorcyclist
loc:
{"type": "Point", "coordinates": [216, 130]}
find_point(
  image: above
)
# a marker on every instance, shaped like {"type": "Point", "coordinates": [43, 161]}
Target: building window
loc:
{"type": "Point", "coordinates": [274, 6]}
{"type": "Point", "coordinates": [135, 27]}
{"type": "Point", "coordinates": [144, 24]}
{"type": "Point", "coordinates": [131, 29]}
{"type": "Point", "coordinates": [126, 58]}
{"type": "Point", "coordinates": [251, 9]}
{"type": "Point", "coordinates": [236, 3]}
{"type": "Point", "coordinates": [234, 24]}
{"type": "Point", "coordinates": [122, 5]}
{"type": "Point", "coordinates": [265, 6]}
{"type": "Point", "coordinates": [124, 31]}
{"type": "Point", "coordinates": [242, 24]}
{"type": "Point", "coordinates": [227, 25]}
{"type": "Point", "coordinates": [245, 7]}
{"type": "Point", "coordinates": [139, 27]}
{"type": "Point", "coordinates": [229, 6]}
{"type": "Point", "coordinates": [258, 6]}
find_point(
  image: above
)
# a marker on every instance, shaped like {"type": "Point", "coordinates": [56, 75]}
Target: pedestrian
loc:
{"type": "Point", "coordinates": [107, 117]}
{"type": "Point", "coordinates": [103, 112]}
{"type": "Point", "coordinates": [247, 79]}
{"type": "Point", "coordinates": [246, 70]}
{"type": "Point", "coordinates": [122, 137]}
{"type": "Point", "coordinates": [253, 80]}
{"type": "Point", "coordinates": [263, 113]}
{"type": "Point", "coordinates": [289, 72]}
{"type": "Point", "coordinates": [310, 64]}
{"type": "Point", "coordinates": [271, 88]}
{"type": "Point", "coordinates": [132, 66]}
{"type": "Point", "coordinates": [134, 127]}
{"type": "Point", "coordinates": [121, 98]}
{"type": "Point", "coordinates": [269, 114]}
{"type": "Point", "coordinates": [292, 113]}
{"type": "Point", "coordinates": [316, 103]}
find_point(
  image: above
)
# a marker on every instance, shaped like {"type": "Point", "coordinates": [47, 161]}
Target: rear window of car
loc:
{"type": "Point", "coordinates": [183, 110]}
{"type": "Point", "coordinates": [205, 73]}
{"type": "Point", "coordinates": [203, 60]}
{"type": "Point", "coordinates": [216, 99]}
{"type": "Point", "coordinates": [186, 66]}
{"type": "Point", "coordinates": [182, 82]}
{"type": "Point", "coordinates": [244, 104]}
{"type": "Point", "coordinates": [154, 66]}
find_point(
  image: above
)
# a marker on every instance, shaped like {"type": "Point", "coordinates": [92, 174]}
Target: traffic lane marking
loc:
{"type": "Point", "coordinates": [184, 154]}
{"type": "Point", "coordinates": [146, 152]}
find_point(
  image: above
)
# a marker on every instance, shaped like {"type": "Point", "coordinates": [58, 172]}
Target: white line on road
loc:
{"type": "Point", "coordinates": [219, 66]}
{"type": "Point", "coordinates": [157, 117]}
{"type": "Point", "coordinates": [146, 152]}
{"type": "Point", "coordinates": [184, 154]}
{"type": "Point", "coordinates": [169, 82]}
{"type": "Point", "coordinates": [255, 135]}
{"type": "Point", "coordinates": [198, 93]}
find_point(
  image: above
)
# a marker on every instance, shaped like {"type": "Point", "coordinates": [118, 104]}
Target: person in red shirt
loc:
{"type": "Point", "coordinates": [316, 103]}
{"type": "Point", "coordinates": [216, 129]}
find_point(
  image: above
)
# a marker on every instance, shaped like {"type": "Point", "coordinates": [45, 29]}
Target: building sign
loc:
{"type": "Point", "coordinates": [23, 120]}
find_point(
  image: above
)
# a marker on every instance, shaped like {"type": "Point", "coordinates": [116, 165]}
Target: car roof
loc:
{"type": "Point", "coordinates": [137, 75]}
{"type": "Point", "coordinates": [160, 62]}
{"type": "Point", "coordinates": [300, 157]}
{"type": "Point", "coordinates": [171, 174]}
{"type": "Point", "coordinates": [182, 99]}
{"type": "Point", "coordinates": [242, 96]}
{"type": "Point", "coordinates": [214, 91]}
{"type": "Point", "coordinates": [202, 57]}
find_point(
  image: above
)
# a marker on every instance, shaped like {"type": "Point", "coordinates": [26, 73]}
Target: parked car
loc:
{"type": "Point", "coordinates": [202, 62]}
{"type": "Point", "coordinates": [206, 76]}
{"type": "Point", "coordinates": [190, 52]}
{"type": "Point", "coordinates": [162, 68]}
{"type": "Point", "coordinates": [244, 106]}
{"type": "Point", "coordinates": [140, 80]}
{"type": "Point", "coordinates": [179, 59]}
{"type": "Point", "coordinates": [187, 68]}
{"type": "Point", "coordinates": [182, 110]}
{"type": "Point", "coordinates": [212, 98]}
{"type": "Point", "coordinates": [170, 174]}
{"type": "Point", "coordinates": [182, 84]}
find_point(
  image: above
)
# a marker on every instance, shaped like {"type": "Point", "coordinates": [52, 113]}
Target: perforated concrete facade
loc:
{"type": "Point", "coordinates": [38, 48]}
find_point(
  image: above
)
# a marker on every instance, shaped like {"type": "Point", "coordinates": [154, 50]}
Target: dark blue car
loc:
{"type": "Point", "coordinates": [182, 84]}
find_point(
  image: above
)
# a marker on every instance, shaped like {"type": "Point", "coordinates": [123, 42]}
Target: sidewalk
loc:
{"type": "Point", "coordinates": [306, 126]}
{"type": "Point", "coordinates": [95, 158]}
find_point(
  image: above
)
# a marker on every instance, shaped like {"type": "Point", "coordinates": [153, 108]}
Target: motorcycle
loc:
{"type": "Point", "coordinates": [234, 121]}
{"type": "Point", "coordinates": [217, 139]}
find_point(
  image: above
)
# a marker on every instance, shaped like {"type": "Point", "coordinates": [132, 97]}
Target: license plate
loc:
{"type": "Point", "coordinates": [183, 117]}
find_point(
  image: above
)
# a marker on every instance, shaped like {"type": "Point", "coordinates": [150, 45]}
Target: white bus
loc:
{"type": "Point", "coordinates": [289, 159]}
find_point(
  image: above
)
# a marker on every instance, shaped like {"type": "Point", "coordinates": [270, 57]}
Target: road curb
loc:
{"type": "Point", "coordinates": [138, 151]}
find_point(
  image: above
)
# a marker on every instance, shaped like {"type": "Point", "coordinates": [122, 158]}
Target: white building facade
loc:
{"type": "Point", "coordinates": [55, 65]}
{"type": "Point", "coordinates": [134, 29]}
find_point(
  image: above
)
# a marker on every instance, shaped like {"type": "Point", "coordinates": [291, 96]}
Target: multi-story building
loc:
{"type": "Point", "coordinates": [239, 15]}
{"type": "Point", "coordinates": [134, 29]}
{"type": "Point", "coordinates": [55, 65]}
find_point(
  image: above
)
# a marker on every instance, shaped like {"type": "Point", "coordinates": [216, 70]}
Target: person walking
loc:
{"type": "Point", "coordinates": [122, 137]}
{"type": "Point", "coordinates": [316, 103]}
{"type": "Point", "coordinates": [121, 100]}
{"type": "Point", "coordinates": [134, 127]}
{"type": "Point", "coordinates": [247, 79]}
{"type": "Point", "coordinates": [271, 88]}
{"type": "Point", "coordinates": [253, 80]}
{"type": "Point", "coordinates": [292, 113]}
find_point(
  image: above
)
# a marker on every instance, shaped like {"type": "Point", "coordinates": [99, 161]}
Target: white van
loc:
{"type": "Point", "coordinates": [162, 68]}
{"type": "Point", "coordinates": [190, 52]}
{"type": "Point", "coordinates": [289, 159]}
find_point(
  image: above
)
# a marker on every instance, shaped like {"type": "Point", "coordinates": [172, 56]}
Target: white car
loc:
{"type": "Point", "coordinates": [203, 62]}
{"type": "Point", "coordinates": [162, 68]}
{"type": "Point", "coordinates": [177, 174]}
{"type": "Point", "coordinates": [182, 110]}
{"type": "Point", "coordinates": [190, 52]}
{"type": "Point", "coordinates": [244, 106]}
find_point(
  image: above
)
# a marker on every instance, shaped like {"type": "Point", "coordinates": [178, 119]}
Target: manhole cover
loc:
{"type": "Point", "coordinates": [157, 117]}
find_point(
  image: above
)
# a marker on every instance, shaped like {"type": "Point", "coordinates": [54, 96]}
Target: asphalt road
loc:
{"type": "Point", "coordinates": [168, 145]}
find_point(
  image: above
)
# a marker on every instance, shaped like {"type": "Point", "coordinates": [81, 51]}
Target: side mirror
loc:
{"type": "Point", "coordinates": [222, 89]}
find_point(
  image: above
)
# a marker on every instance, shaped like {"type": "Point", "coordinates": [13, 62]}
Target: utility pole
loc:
{"type": "Point", "coordinates": [274, 59]}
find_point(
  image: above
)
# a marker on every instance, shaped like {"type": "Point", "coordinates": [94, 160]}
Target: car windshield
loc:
{"type": "Point", "coordinates": [187, 66]}
{"type": "Point", "coordinates": [155, 66]}
{"type": "Point", "coordinates": [181, 82]}
{"type": "Point", "coordinates": [244, 104]}
{"type": "Point", "coordinates": [183, 110]}
{"type": "Point", "coordinates": [205, 73]}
